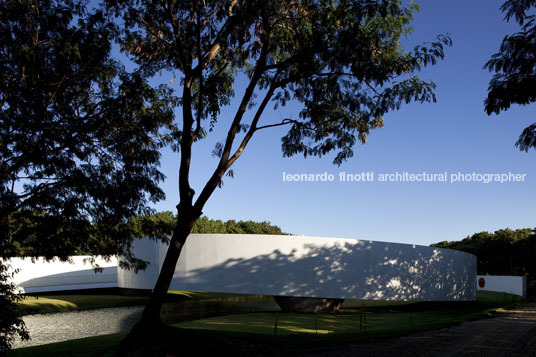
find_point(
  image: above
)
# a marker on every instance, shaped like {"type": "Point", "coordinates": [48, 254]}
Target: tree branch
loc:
{"type": "Point", "coordinates": [284, 122]}
{"type": "Point", "coordinates": [223, 163]}
{"type": "Point", "coordinates": [243, 105]}
{"type": "Point", "coordinates": [147, 26]}
{"type": "Point", "coordinates": [186, 141]}
{"type": "Point", "coordinates": [200, 93]}
{"type": "Point", "coordinates": [176, 34]}
{"type": "Point", "coordinates": [216, 45]}
{"type": "Point", "coordinates": [252, 128]}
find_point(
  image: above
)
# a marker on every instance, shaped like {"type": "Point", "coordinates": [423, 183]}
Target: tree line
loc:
{"type": "Point", "coordinates": [160, 225]}
{"type": "Point", "coordinates": [504, 252]}
{"type": "Point", "coordinates": [163, 223]}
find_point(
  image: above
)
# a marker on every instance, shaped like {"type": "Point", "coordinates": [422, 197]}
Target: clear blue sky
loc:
{"type": "Point", "coordinates": [453, 135]}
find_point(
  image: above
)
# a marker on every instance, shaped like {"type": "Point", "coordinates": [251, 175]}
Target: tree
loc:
{"type": "Point", "coordinates": [342, 61]}
{"type": "Point", "coordinates": [504, 252]}
{"type": "Point", "coordinates": [78, 138]}
{"type": "Point", "coordinates": [514, 81]}
{"type": "Point", "coordinates": [162, 224]}
{"type": "Point", "coordinates": [11, 323]}
{"type": "Point", "coordinates": [205, 225]}
{"type": "Point", "coordinates": [78, 133]}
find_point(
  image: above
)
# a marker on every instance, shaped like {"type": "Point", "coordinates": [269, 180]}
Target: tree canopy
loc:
{"type": "Point", "coordinates": [514, 81]}
{"type": "Point", "coordinates": [343, 62]}
{"type": "Point", "coordinates": [78, 132]}
{"type": "Point", "coordinates": [78, 139]}
{"type": "Point", "coordinates": [11, 324]}
{"type": "Point", "coordinates": [163, 224]}
{"type": "Point", "coordinates": [504, 252]}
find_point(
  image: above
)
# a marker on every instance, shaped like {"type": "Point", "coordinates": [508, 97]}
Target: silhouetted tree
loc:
{"type": "Point", "coordinates": [514, 81]}
{"type": "Point", "coordinates": [504, 252]}
{"type": "Point", "coordinates": [342, 61]}
{"type": "Point", "coordinates": [162, 224]}
{"type": "Point", "coordinates": [78, 137]}
{"type": "Point", "coordinates": [11, 323]}
{"type": "Point", "coordinates": [78, 133]}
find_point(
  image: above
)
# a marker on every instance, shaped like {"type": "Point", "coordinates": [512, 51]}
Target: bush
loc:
{"type": "Point", "coordinates": [11, 323]}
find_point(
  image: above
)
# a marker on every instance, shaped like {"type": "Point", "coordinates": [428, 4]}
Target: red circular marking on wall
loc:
{"type": "Point", "coordinates": [481, 282]}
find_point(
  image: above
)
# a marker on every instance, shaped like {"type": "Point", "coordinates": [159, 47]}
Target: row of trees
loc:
{"type": "Point", "coordinates": [161, 225]}
{"type": "Point", "coordinates": [27, 241]}
{"type": "Point", "coordinates": [504, 252]}
{"type": "Point", "coordinates": [205, 225]}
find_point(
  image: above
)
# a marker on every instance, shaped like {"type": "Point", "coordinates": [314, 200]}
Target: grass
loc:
{"type": "Point", "coordinates": [359, 321]}
{"type": "Point", "coordinates": [107, 345]}
{"type": "Point", "coordinates": [358, 317]}
{"type": "Point", "coordinates": [62, 303]}
{"type": "Point", "coordinates": [199, 295]}
{"type": "Point", "coordinates": [270, 323]}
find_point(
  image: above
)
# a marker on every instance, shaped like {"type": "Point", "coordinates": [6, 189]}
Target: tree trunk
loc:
{"type": "Point", "coordinates": [151, 323]}
{"type": "Point", "coordinates": [151, 313]}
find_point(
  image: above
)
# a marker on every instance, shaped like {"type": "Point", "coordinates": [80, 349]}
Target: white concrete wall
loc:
{"type": "Point", "coordinates": [311, 267]}
{"type": "Point", "coordinates": [516, 285]}
{"type": "Point", "coordinates": [40, 276]}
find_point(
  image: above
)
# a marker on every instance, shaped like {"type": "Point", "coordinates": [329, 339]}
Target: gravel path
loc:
{"type": "Point", "coordinates": [49, 328]}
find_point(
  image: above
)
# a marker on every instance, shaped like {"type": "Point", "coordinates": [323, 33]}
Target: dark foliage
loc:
{"type": "Point", "coordinates": [78, 137]}
{"type": "Point", "coordinates": [78, 133]}
{"type": "Point", "coordinates": [163, 224]}
{"type": "Point", "coordinates": [505, 252]}
{"type": "Point", "coordinates": [11, 324]}
{"type": "Point", "coordinates": [343, 62]}
{"type": "Point", "coordinates": [514, 81]}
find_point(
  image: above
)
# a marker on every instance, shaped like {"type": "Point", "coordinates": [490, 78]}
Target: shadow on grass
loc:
{"type": "Point", "coordinates": [302, 332]}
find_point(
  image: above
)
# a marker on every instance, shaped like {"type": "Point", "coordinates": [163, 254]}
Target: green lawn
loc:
{"type": "Point", "coordinates": [360, 320]}
{"type": "Point", "coordinates": [200, 295]}
{"type": "Point", "coordinates": [270, 323]}
{"type": "Point", "coordinates": [357, 317]}
{"type": "Point", "coordinates": [61, 303]}
{"type": "Point", "coordinates": [107, 345]}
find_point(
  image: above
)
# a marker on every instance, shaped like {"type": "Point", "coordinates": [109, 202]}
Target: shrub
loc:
{"type": "Point", "coordinates": [11, 323]}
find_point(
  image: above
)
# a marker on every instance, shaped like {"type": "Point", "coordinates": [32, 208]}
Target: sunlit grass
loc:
{"type": "Point", "coordinates": [61, 303]}
{"type": "Point", "coordinates": [363, 320]}
{"type": "Point", "coordinates": [200, 295]}
{"type": "Point", "coordinates": [273, 323]}
{"type": "Point", "coordinates": [107, 345]}
{"type": "Point", "coordinates": [358, 317]}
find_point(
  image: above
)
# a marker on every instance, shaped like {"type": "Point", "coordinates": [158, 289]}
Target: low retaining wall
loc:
{"type": "Point", "coordinates": [310, 267]}
{"type": "Point", "coordinates": [41, 275]}
{"type": "Point", "coordinates": [516, 285]}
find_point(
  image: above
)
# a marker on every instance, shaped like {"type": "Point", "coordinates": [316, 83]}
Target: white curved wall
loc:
{"type": "Point", "coordinates": [516, 285]}
{"type": "Point", "coordinates": [310, 267]}
{"type": "Point", "coordinates": [38, 275]}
